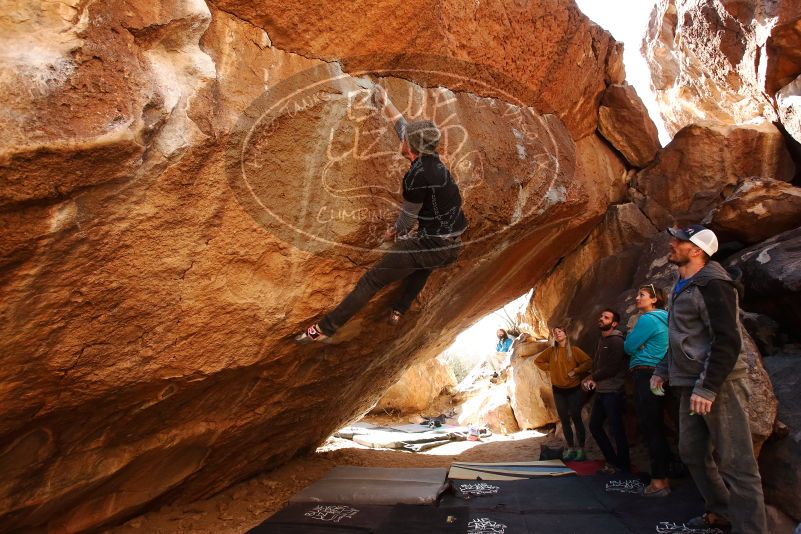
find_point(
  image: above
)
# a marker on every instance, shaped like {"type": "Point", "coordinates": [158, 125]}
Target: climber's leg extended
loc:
{"type": "Point", "coordinates": [394, 265]}
{"type": "Point", "coordinates": [404, 259]}
{"type": "Point", "coordinates": [411, 286]}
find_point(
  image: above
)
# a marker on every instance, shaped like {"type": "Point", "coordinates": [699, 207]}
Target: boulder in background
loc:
{"type": "Point", "coordinates": [780, 461]}
{"type": "Point", "coordinates": [418, 387]}
{"type": "Point", "coordinates": [702, 165]}
{"type": "Point", "coordinates": [757, 209]}
{"type": "Point", "coordinates": [624, 122]}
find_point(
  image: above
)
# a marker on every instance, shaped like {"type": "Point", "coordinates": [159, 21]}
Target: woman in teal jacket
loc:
{"type": "Point", "coordinates": [647, 344]}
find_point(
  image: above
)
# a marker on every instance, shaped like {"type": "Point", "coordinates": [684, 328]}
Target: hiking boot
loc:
{"type": "Point", "coordinates": [394, 318]}
{"type": "Point", "coordinates": [661, 492]}
{"type": "Point", "coordinates": [580, 455]}
{"type": "Point", "coordinates": [568, 455]}
{"type": "Point", "coordinates": [709, 519]}
{"type": "Point", "coordinates": [312, 334]}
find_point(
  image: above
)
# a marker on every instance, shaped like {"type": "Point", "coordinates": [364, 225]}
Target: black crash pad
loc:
{"type": "Point", "coordinates": [559, 494]}
{"type": "Point", "coordinates": [482, 522]}
{"type": "Point", "coordinates": [409, 519]}
{"type": "Point", "coordinates": [641, 514]}
{"type": "Point", "coordinates": [356, 518]}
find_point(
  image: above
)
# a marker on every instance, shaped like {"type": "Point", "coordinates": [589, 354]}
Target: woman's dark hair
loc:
{"type": "Point", "coordinates": [655, 292]}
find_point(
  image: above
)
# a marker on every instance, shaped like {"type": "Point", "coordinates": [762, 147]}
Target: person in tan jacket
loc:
{"type": "Point", "coordinates": [567, 365]}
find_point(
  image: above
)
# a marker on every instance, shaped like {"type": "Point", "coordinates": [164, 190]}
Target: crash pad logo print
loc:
{"type": "Point", "coordinates": [485, 525]}
{"type": "Point", "coordinates": [668, 527]}
{"type": "Point", "coordinates": [333, 514]}
{"type": "Point", "coordinates": [479, 489]}
{"type": "Point", "coordinates": [625, 486]}
{"type": "Point", "coordinates": [314, 162]}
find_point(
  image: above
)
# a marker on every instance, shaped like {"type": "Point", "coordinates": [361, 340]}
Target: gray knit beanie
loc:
{"type": "Point", "coordinates": [423, 136]}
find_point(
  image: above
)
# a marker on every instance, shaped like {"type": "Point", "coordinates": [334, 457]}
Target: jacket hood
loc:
{"type": "Point", "coordinates": [711, 271]}
{"type": "Point", "coordinates": [615, 333]}
{"type": "Point", "coordinates": [661, 315]}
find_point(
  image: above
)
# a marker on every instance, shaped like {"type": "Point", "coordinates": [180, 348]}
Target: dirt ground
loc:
{"type": "Point", "coordinates": [245, 505]}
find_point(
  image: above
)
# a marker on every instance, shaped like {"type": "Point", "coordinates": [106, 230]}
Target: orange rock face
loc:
{"type": "Point", "coordinates": [564, 295]}
{"type": "Point", "coordinates": [770, 207]}
{"type": "Point", "coordinates": [624, 122]}
{"type": "Point", "coordinates": [561, 60]}
{"type": "Point", "coordinates": [184, 186]}
{"type": "Point", "coordinates": [417, 388]}
{"type": "Point", "coordinates": [702, 166]}
{"type": "Point", "coordinates": [530, 393]}
{"type": "Point", "coordinates": [722, 62]}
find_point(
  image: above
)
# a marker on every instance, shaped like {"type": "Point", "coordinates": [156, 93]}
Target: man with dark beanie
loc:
{"type": "Point", "coordinates": [432, 201]}
{"type": "Point", "coordinates": [705, 365]}
{"type": "Point", "coordinates": [607, 378]}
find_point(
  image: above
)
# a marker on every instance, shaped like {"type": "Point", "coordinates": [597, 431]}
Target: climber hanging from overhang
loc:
{"type": "Point", "coordinates": [432, 202]}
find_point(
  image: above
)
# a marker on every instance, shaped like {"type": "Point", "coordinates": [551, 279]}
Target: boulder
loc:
{"type": "Point", "coordinates": [530, 392]}
{"type": "Point", "coordinates": [789, 100]}
{"type": "Point", "coordinates": [593, 275]}
{"type": "Point", "coordinates": [771, 272]}
{"type": "Point", "coordinates": [762, 403]}
{"type": "Point", "coordinates": [702, 165]}
{"type": "Point", "coordinates": [780, 461]}
{"type": "Point", "coordinates": [562, 60]}
{"type": "Point", "coordinates": [525, 345]}
{"type": "Point", "coordinates": [489, 407]}
{"type": "Point", "coordinates": [721, 62]}
{"type": "Point", "coordinates": [624, 122]}
{"type": "Point", "coordinates": [757, 209]}
{"type": "Point", "coordinates": [418, 387]}
{"type": "Point", "coordinates": [762, 329]}
{"type": "Point", "coordinates": [154, 262]}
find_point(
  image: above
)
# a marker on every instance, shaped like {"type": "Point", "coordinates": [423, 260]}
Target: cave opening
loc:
{"type": "Point", "coordinates": [482, 391]}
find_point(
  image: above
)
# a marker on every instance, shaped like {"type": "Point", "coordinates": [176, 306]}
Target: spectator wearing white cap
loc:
{"type": "Point", "coordinates": [705, 365]}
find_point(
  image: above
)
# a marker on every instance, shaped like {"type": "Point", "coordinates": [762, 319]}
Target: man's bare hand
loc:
{"type": "Point", "coordinates": [657, 382]}
{"type": "Point", "coordinates": [379, 96]}
{"type": "Point", "coordinates": [390, 234]}
{"type": "Point", "coordinates": [588, 384]}
{"type": "Point", "coordinates": [700, 405]}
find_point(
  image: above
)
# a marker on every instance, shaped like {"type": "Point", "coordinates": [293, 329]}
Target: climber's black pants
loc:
{"type": "Point", "coordinates": [410, 260]}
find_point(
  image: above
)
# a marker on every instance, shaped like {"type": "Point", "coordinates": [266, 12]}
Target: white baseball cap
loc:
{"type": "Point", "coordinates": [698, 235]}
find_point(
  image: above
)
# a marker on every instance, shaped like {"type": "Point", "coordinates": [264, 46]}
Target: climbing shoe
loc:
{"type": "Point", "coordinates": [312, 334]}
{"type": "Point", "coordinates": [661, 492]}
{"type": "Point", "coordinates": [569, 454]}
{"type": "Point", "coordinates": [709, 519]}
{"type": "Point", "coordinates": [394, 318]}
{"type": "Point", "coordinates": [580, 455]}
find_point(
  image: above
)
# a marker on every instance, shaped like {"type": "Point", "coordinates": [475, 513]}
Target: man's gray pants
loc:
{"type": "Point", "coordinates": [731, 486]}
